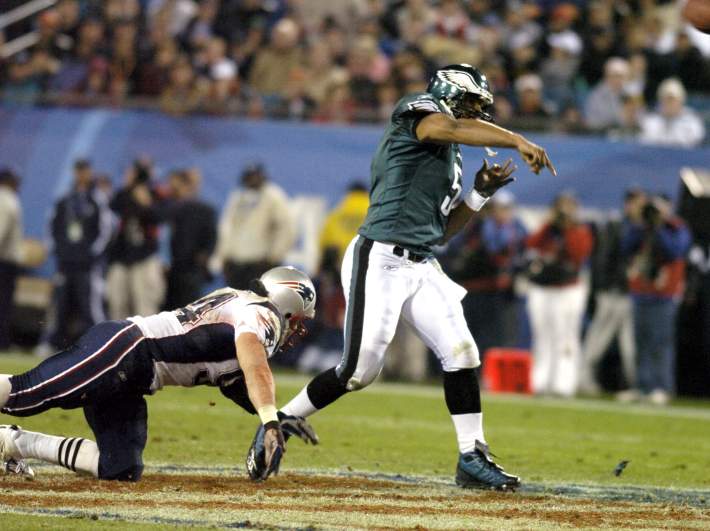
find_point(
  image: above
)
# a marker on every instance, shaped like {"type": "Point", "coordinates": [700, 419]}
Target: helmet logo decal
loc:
{"type": "Point", "coordinates": [464, 81]}
{"type": "Point", "coordinates": [304, 291]}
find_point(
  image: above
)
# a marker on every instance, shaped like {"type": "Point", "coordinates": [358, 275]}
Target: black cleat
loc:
{"type": "Point", "coordinates": [476, 470]}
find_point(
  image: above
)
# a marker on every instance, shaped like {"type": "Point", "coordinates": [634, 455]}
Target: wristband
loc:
{"type": "Point", "coordinates": [475, 200]}
{"type": "Point", "coordinates": [268, 414]}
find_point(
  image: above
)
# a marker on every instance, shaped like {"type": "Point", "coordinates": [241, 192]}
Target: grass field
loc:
{"type": "Point", "coordinates": [386, 460]}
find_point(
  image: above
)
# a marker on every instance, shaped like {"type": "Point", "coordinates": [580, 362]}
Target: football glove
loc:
{"type": "Point", "coordinates": [265, 448]}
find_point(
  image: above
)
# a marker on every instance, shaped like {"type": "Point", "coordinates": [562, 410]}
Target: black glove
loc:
{"type": "Point", "coordinates": [268, 446]}
{"type": "Point", "coordinates": [298, 426]}
{"type": "Point", "coordinates": [490, 179]}
{"type": "Point", "coordinates": [274, 448]}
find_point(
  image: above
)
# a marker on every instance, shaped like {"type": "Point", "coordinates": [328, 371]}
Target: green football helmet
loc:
{"type": "Point", "coordinates": [464, 89]}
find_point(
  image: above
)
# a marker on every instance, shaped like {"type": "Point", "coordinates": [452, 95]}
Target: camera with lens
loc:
{"type": "Point", "coordinates": [142, 172]}
{"type": "Point", "coordinates": [650, 214]}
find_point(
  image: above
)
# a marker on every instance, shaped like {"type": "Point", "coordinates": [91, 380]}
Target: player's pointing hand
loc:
{"type": "Point", "coordinates": [535, 156]}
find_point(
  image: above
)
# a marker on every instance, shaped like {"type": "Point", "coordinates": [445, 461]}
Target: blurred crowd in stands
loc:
{"type": "Point", "coordinates": [570, 285]}
{"type": "Point", "coordinates": [623, 68]}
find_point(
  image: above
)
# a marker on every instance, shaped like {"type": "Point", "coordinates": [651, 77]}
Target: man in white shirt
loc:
{"type": "Point", "coordinates": [674, 124]}
{"type": "Point", "coordinates": [222, 340]}
{"type": "Point", "coordinates": [10, 248]}
{"type": "Point", "coordinates": [603, 107]}
{"type": "Point", "coordinates": [256, 229]}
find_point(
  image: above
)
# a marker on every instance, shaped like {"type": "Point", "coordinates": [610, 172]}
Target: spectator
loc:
{"type": "Point", "coordinates": [201, 27]}
{"type": "Point", "coordinates": [674, 124]}
{"type": "Point", "coordinates": [81, 227]}
{"type": "Point", "coordinates": [557, 298]}
{"type": "Point", "coordinates": [29, 75]}
{"type": "Point", "coordinates": [184, 93]}
{"type": "Point", "coordinates": [193, 236]}
{"type": "Point", "coordinates": [341, 224]}
{"type": "Point", "coordinates": [256, 229]}
{"type": "Point", "coordinates": [613, 313]}
{"type": "Point", "coordinates": [559, 70]}
{"type": "Point", "coordinates": [520, 28]}
{"type": "Point", "coordinates": [655, 247]}
{"type": "Point", "coordinates": [135, 281]}
{"type": "Point", "coordinates": [339, 228]}
{"type": "Point", "coordinates": [10, 248]}
{"type": "Point", "coordinates": [87, 56]}
{"type": "Point", "coordinates": [603, 107]}
{"type": "Point", "coordinates": [97, 49]}
{"type": "Point", "coordinates": [531, 112]}
{"type": "Point", "coordinates": [321, 73]}
{"type": "Point", "coordinates": [693, 68]}
{"type": "Point", "coordinates": [484, 258]}
{"type": "Point", "coordinates": [273, 64]}
{"type": "Point", "coordinates": [366, 68]}
{"type": "Point", "coordinates": [600, 45]}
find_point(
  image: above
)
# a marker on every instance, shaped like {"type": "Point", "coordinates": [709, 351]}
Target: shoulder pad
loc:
{"type": "Point", "coordinates": [423, 103]}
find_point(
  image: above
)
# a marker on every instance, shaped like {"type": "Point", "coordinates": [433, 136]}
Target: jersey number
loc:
{"type": "Point", "coordinates": [452, 197]}
{"type": "Point", "coordinates": [193, 312]}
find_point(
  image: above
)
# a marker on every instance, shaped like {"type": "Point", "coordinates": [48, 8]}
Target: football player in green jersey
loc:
{"type": "Point", "coordinates": [389, 271]}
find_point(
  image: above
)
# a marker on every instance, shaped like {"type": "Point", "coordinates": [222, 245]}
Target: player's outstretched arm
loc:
{"type": "Point", "coordinates": [260, 386]}
{"type": "Point", "coordinates": [440, 128]}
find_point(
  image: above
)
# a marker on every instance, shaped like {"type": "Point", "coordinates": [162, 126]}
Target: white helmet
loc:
{"type": "Point", "coordinates": [291, 291]}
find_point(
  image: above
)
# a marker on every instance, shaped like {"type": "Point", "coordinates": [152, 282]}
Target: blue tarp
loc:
{"type": "Point", "coordinates": [41, 144]}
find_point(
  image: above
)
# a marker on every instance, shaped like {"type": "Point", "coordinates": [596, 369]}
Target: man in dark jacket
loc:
{"type": "Point", "coordinates": [81, 229]}
{"type": "Point", "coordinates": [136, 282]}
{"type": "Point", "coordinates": [656, 249]}
{"type": "Point", "coordinates": [192, 239]}
{"type": "Point", "coordinates": [613, 312]}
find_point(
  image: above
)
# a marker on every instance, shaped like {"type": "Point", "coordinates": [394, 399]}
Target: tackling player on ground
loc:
{"type": "Point", "coordinates": [223, 339]}
{"type": "Point", "coordinates": [388, 272]}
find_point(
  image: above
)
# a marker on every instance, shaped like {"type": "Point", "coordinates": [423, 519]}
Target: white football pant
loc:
{"type": "Point", "coordinates": [380, 287]}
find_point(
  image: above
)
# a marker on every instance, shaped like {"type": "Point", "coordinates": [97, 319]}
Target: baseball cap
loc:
{"type": "Point", "coordinates": [528, 82]}
{"type": "Point", "coordinates": [568, 41]}
{"type": "Point", "coordinates": [253, 168]}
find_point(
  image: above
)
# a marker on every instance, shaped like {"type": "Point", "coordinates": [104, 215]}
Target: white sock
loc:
{"type": "Point", "coordinates": [74, 453]}
{"type": "Point", "coordinates": [5, 388]}
{"type": "Point", "coordinates": [300, 405]}
{"type": "Point", "coordinates": [469, 429]}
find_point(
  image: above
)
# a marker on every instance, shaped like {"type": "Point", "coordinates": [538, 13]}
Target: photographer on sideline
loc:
{"type": "Point", "coordinates": [135, 281]}
{"type": "Point", "coordinates": [656, 247]}
{"type": "Point", "coordinates": [557, 297]}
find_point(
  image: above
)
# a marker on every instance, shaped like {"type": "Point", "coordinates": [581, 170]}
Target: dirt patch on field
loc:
{"type": "Point", "coordinates": [327, 500]}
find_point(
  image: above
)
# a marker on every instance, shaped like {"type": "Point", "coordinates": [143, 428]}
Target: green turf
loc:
{"type": "Point", "coordinates": [406, 429]}
{"type": "Point", "coordinates": [21, 522]}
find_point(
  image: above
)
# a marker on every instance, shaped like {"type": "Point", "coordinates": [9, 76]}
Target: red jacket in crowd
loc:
{"type": "Point", "coordinates": [559, 253]}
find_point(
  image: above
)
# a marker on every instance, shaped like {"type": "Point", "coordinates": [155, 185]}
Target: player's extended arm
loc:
{"type": "Point", "coordinates": [260, 386]}
{"type": "Point", "coordinates": [443, 129]}
{"type": "Point", "coordinates": [488, 180]}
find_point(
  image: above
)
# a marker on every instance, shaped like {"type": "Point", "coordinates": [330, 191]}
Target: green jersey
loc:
{"type": "Point", "coordinates": [414, 185]}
